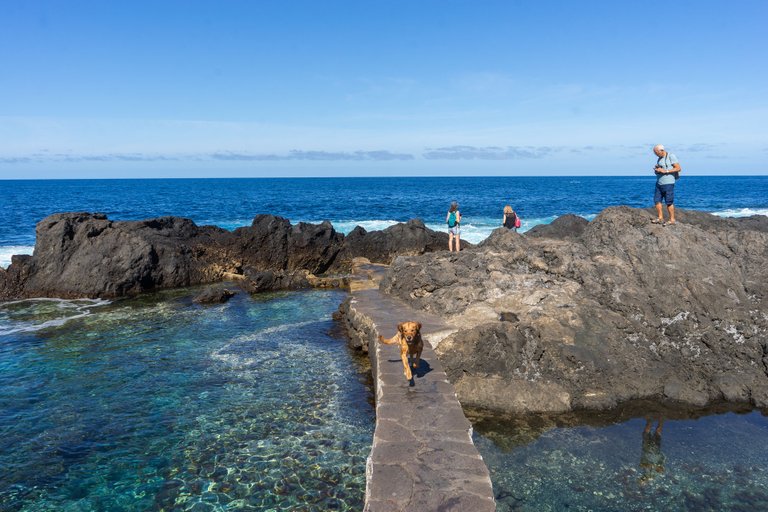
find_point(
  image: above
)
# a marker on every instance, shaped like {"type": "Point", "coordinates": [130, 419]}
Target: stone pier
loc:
{"type": "Point", "coordinates": [422, 458]}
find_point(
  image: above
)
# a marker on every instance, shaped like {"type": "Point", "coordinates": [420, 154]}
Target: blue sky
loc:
{"type": "Point", "coordinates": [334, 88]}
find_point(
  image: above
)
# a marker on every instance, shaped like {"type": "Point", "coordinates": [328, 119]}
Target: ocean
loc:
{"type": "Point", "coordinates": [158, 403]}
{"type": "Point", "coordinates": [373, 203]}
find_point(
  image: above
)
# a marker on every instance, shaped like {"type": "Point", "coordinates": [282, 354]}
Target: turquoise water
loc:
{"type": "Point", "coordinates": [715, 462]}
{"type": "Point", "coordinates": [157, 403]}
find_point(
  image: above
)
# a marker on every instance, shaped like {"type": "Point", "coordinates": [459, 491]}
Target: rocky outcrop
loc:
{"type": "Point", "coordinates": [563, 227]}
{"type": "Point", "coordinates": [214, 296]}
{"type": "Point", "coordinates": [622, 310]}
{"type": "Point", "coordinates": [88, 255]}
{"type": "Point", "coordinates": [273, 243]}
{"type": "Point", "coordinates": [403, 239]}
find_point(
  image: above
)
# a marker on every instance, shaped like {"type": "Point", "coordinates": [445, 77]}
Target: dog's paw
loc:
{"type": "Point", "coordinates": [381, 338]}
{"type": "Point", "coordinates": [408, 375]}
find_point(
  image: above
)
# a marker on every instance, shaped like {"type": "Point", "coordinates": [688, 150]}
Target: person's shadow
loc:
{"type": "Point", "coordinates": [652, 459]}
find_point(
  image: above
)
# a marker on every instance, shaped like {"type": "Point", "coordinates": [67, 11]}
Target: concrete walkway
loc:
{"type": "Point", "coordinates": [422, 458]}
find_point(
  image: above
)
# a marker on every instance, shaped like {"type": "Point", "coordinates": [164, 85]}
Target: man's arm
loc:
{"type": "Point", "coordinates": [675, 165]}
{"type": "Point", "coordinates": [675, 168]}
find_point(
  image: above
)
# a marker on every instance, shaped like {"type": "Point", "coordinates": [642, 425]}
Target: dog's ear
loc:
{"type": "Point", "coordinates": [400, 326]}
{"type": "Point", "coordinates": [418, 325]}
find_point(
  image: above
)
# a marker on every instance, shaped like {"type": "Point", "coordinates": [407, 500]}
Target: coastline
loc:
{"type": "Point", "coordinates": [572, 300]}
{"type": "Point", "coordinates": [567, 317]}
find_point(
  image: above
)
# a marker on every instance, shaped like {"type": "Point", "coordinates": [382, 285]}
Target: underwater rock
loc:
{"type": "Point", "coordinates": [214, 296]}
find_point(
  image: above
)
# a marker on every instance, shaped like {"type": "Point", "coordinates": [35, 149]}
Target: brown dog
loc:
{"type": "Point", "coordinates": [409, 337]}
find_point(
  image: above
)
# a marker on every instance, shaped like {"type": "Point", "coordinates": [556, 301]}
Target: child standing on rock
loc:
{"type": "Point", "coordinates": [453, 219]}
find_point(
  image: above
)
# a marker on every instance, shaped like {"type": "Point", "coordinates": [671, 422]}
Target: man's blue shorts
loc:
{"type": "Point", "coordinates": [666, 192]}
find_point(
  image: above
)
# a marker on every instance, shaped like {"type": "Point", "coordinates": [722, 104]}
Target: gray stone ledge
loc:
{"type": "Point", "coordinates": [422, 458]}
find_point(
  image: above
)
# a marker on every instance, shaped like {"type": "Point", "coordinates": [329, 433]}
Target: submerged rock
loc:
{"type": "Point", "coordinates": [214, 296]}
{"type": "Point", "coordinates": [624, 310]}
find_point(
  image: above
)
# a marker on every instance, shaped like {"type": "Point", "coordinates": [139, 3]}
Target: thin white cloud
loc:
{"type": "Point", "coordinates": [489, 153]}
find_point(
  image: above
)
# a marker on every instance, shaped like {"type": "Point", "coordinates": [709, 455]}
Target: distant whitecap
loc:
{"type": "Point", "coordinates": [741, 212]}
{"type": "Point", "coordinates": [6, 251]}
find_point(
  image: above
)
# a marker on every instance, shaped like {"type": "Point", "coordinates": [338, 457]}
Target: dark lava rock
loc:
{"type": "Point", "coordinates": [565, 226]}
{"type": "Point", "coordinates": [626, 310]}
{"type": "Point", "coordinates": [214, 296]}
{"type": "Point", "coordinates": [272, 243]}
{"type": "Point", "coordinates": [88, 255]}
{"type": "Point", "coordinates": [402, 239]}
{"type": "Point", "coordinates": [264, 280]}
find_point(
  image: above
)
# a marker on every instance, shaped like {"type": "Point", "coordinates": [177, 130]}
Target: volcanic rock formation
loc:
{"type": "Point", "coordinates": [87, 255]}
{"type": "Point", "coordinates": [590, 314]}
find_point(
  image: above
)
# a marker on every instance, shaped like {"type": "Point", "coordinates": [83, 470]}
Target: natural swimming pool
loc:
{"type": "Point", "coordinates": [713, 459]}
{"type": "Point", "coordinates": [258, 404]}
{"type": "Point", "coordinates": [159, 403]}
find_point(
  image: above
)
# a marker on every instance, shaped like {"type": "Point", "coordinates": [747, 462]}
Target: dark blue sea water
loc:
{"type": "Point", "coordinates": [374, 203]}
{"type": "Point", "coordinates": [156, 403]}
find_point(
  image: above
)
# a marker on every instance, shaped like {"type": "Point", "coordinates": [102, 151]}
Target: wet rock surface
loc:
{"type": "Point", "coordinates": [87, 255]}
{"type": "Point", "coordinates": [602, 312]}
{"type": "Point", "coordinates": [214, 296]}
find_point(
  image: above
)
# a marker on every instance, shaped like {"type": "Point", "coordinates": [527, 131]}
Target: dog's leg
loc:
{"type": "Point", "coordinates": [404, 356]}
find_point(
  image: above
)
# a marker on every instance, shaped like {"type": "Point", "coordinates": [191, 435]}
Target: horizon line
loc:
{"type": "Point", "coordinates": [389, 176]}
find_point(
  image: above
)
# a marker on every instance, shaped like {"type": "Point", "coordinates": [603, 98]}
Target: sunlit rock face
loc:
{"type": "Point", "coordinates": [587, 315]}
{"type": "Point", "coordinates": [88, 255]}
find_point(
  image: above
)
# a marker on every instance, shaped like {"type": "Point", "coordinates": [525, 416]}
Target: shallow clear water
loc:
{"type": "Point", "coordinates": [715, 462]}
{"type": "Point", "coordinates": [158, 403]}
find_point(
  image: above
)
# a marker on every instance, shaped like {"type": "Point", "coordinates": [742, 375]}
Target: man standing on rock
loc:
{"type": "Point", "coordinates": [667, 170]}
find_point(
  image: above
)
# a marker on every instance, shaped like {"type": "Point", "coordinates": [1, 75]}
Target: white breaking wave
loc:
{"type": "Point", "coordinates": [346, 226]}
{"type": "Point", "coordinates": [473, 230]}
{"type": "Point", "coordinates": [476, 230]}
{"type": "Point", "coordinates": [6, 251]}
{"type": "Point", "coordinates": [71, 309]}
{"type": "Point", "coordinates": [741, 212]}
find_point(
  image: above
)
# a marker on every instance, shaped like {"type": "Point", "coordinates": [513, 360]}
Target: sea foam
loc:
{"type": "Point", "coordinates": [29, 315]}
{"type": "Point", "coordinates": [6, 251]}
{"type": "Point", "coordinates": [741, 212]}
{"type": "Point", "coordinates": [474, 230]}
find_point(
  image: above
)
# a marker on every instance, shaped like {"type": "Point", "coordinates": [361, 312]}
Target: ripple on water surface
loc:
{"type": "Point", "coordinates": [713, 460]}
{"type": "Point", "coordinates": [158, 403]}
